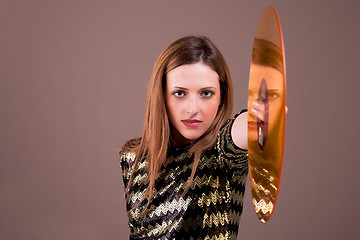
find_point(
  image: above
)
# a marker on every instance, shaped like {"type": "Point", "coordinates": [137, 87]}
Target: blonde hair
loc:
{"type": "Point", "coordinates": [156, 135]}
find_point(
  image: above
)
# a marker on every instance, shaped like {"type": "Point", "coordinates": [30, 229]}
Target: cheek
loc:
{"type": "Point", "coordinates": [212, 109]}
{"type": "Point", "coordinates": [172, 110]}
{"type": "Point", "coordinates": [275, 109]}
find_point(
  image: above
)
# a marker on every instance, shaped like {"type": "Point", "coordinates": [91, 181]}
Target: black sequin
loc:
{"type": "Point", "coordinates": [212, 207]}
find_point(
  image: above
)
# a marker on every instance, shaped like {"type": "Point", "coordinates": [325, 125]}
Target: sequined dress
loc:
{"type": "Point", "coordinates": [211, 208]}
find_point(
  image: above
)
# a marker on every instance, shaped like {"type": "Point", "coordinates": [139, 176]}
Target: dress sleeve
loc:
{"type": "Point", "coordinates": [233, 157]}
{"type": "Point", "coordinates": [126, 158]}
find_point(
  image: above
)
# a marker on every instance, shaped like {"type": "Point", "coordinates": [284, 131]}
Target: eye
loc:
{"type": "Point", "coordinates": [273, 95]}
{"type": "Point", "coordinates": [207, 93]}
{"type": "Point", "coordinates": [178, 93]}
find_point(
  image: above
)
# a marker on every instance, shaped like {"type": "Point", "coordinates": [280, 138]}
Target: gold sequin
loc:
{"type": "Point", "coordinates": [210, 209]}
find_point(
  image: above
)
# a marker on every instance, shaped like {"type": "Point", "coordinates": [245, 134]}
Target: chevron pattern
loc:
{"type": "Point", "coordinates": [211, 208]}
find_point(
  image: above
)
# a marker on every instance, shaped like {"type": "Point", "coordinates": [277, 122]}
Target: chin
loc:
{"type": "Point", "coordinates": [192, 136]}
{"type": "Point", "coordinates": [252, 135]}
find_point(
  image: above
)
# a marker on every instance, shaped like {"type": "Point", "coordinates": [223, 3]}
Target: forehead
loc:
{"type": "Point", "coordinates": [196, 74]}
{"type": "Point", "coordinates": [274, 78]}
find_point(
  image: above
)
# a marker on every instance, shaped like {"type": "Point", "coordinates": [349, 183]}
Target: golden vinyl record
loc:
{"type": "Point", "coordinates": [267, 85]}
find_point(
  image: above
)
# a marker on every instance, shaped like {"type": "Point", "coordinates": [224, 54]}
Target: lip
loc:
{"type": "Point", "coordinates": [252, 124]}
{"type": "Point", "coordinates": [191, 122]}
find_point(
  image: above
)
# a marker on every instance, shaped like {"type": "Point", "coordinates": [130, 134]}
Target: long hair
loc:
{"type": "Point", "coordinates": [156, 135]}
{"type": "Point", "coordinates": [266, 53]}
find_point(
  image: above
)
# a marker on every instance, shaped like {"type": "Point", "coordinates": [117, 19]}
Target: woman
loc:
{"type": "Point", "coordinates": [185, 177]}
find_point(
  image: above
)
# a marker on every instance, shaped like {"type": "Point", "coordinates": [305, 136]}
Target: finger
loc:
{"type": "Point", "coordinates": [259, 105]}
{"type": "Point", "coordinates": [259, 114]}
{"type": "Point", "coordinates": [258, 109]}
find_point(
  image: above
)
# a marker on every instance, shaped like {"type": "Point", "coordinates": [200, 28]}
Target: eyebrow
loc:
{"type": "Point", "coordinates": [274, 90]}
{"type": "Point", "coordinates": [183, 88]}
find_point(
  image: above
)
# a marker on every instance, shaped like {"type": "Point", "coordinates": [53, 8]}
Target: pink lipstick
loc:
{"type": "Point", "coordinates": [252, 124]}
{"type": "Point", "coordinates": [191, 122]}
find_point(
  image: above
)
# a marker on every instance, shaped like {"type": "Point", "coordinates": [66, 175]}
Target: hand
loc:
{"type": "Point", "coordinates": [258, 109]}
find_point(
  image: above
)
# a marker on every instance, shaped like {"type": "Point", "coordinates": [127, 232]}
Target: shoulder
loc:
{"type": "Point", "coordinates": [128, 151]}
{"type": "Point", "coordinates": [131, 144]}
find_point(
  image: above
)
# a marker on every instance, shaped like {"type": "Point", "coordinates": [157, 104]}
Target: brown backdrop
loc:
{"type": "Point", "coordinates": [73, 84]}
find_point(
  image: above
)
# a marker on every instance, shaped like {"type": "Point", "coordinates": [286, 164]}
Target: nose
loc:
{"type": "Point", "coordinates": [193, 106]}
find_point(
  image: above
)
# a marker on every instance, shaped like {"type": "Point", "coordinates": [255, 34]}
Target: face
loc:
{"type": "Point", "coordinates": [192, 96]}
{"type": "Point", "coordinates": [274, 81]}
